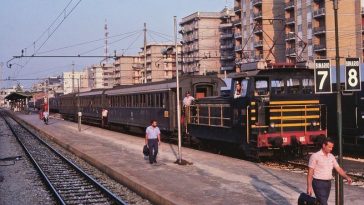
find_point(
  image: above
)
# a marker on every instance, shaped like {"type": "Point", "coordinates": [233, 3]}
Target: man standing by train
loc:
{"type": "Point", "coordinates": [320, 169]}
{"type": "Point", "coordinates": [153, 139]}
{"type": "Point", "coordinates": [104, 118]}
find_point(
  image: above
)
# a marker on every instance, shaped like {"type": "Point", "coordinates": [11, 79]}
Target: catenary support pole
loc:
{"type": "Point", "coordinates": [145, 53]}
{"type": "Point", "coordinates": [339, 194]}
{"type": "Point", "coordinates": [178, 99]}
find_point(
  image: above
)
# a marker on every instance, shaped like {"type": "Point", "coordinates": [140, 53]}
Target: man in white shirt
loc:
{"type": "Point", "coordinates": [104, 117]}
{"type": "Point", "coordinates": [319, 174]}
{"type": "Point", "coordinates": [153, 139]}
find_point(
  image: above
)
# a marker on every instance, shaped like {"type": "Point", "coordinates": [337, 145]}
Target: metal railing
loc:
{"type": "Point", "coordinates": [208, 114]}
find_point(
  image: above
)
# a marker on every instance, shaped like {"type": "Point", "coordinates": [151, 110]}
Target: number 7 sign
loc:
{"type": "Point", "coordinates": [323, 77]}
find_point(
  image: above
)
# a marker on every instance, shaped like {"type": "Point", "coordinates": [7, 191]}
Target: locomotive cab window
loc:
{"type": "Point", "coordinates": [261, 87]}
{"type": "Point", "coordinates": [240, 88]}
{"type": "Point", "coordinates": [307, 86]}
{"type": "Point", "coordinates": [277, 86]}
{"type": "Point", "coordinates": [293, 86]}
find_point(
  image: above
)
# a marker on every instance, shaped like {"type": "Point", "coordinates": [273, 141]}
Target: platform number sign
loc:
{"type": "Point", "coordinates": [322, 76]}
{"type": "Point", "coordinates": [352, 74]}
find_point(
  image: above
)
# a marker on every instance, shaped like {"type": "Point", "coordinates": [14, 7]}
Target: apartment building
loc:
{"type": "Point", "coordinates": [259, 32]}
{"type": "Point", "coordinates": [201, 42]}
{"type": "Point", "coordinates": [73, 80]}
{"type": "Point", "coordinates": [124, 69]}
{"type": "Point", "coordinates": [310, 30]}
{"type": "Point", "coordinates": [158, 66]}
{"type": "Point", "coordinates": [227, 41]}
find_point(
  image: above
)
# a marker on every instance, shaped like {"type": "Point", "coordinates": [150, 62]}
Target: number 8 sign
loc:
{"type": "Point", "coordinates": [352, 74]}
{"type": "Point", "coordinates": [322, 76]}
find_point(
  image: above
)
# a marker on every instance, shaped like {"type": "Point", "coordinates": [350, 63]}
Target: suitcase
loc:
{"type": "Point", "coordinates": [146, 150]}
{"type": "Point", "coordinates": [306, 199]}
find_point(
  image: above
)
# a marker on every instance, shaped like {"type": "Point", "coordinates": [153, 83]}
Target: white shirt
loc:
{"type": "Point", "coordinates": [322, 165]}
{"type": "Point", "coordinates": [188, 100]}
{"type": "Point", "coordinates": [104, 113]}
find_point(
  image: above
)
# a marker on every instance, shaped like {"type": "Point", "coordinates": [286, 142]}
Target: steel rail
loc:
{"type": "Point", "coordinates": [103, 189]}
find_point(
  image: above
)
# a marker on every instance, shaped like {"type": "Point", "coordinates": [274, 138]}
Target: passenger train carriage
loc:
{"type": "Point", "coordinates": [276, 108]}
{"type": "Point", "coordinates": [136, 105]}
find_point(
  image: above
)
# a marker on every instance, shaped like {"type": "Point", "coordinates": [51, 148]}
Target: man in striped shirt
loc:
{"type": "Point", "coordinates": [319, 174]}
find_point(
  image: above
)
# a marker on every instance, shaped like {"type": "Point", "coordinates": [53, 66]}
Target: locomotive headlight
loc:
{"type": "Point", "coordinates": [272, 125]}
{"type": "Point", "coordinates": [314, 123]}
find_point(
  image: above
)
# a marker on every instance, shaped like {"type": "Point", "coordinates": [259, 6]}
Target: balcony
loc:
{"type": "Point", "coordinates": [238, 61]}
{"type": "Point", "coordinates": [319, 13]}
{"type": "Point", "coordinates": [227, 68]}
{"type": "Point", "coordinates": [290, 37]}
{"type": "Point", "coordinates": [237, 8]}
{"type": "Point", "coordinates": [319, 47]}
{"type": "Point", "coordinates": [258, 29]}
{"type": "Point", "coordinates": [319, 30]}
{"type": "Point", "coordinates": [238, 48]}
{"type": "Point", "coordinates": [237, 35]}
{"type": "Point", "coordinates": [289, 5]}
{"type": "Point", "coordinates": [291, 52]}
{"type": "Point", "coordinates": [258, 43]}
{"type": "Point", "coordinates": [226, 25]}
{"type": "Point", "coordinates": [258, 15]}
{"type": "Point", "coordinates": [227, 35]}
{"type": "Point", "coordinates": [290, 20]}
{"type": "Point", "coordinates": [256, 2]}
{"type": "Point", "coordinates": [227, 46]}
{"type": "Point", "coordinates": [228, 56]}
{"type": "Point", "coordinates": [237, 22]}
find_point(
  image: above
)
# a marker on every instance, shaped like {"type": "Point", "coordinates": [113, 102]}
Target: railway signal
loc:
{"type": "Point", "coordinates": [352, 74]}
{"type": "Point", "coordinates": [322, 76]}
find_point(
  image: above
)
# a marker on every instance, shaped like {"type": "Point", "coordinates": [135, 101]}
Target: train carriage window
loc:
{"type": "Point", "coordinates": [308, 86]}
{"type": "Point", "coordinates": [261, 87]}
{"type": "Point", "coordinates": [277, 86]}
{"type": "Point", "coordinates": [157, 100]}
{"type": "Point", "coordinates": [293, 86]}
{"type": "Point", "coordinates": [161, 96]}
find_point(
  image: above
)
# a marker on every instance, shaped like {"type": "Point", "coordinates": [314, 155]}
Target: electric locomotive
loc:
{"type": "Point", "coordinates": [267, 109]}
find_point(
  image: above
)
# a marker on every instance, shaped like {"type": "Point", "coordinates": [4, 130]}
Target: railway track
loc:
{"type": "Point", "coordinates": [358, 177]}
{"type": "Point", "coordinates": [68, 183]}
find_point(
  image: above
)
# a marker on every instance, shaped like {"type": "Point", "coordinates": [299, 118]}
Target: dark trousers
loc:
{"type": "Point", "coordinates": [322, 190]}
{"type": "Point", "coordinates": [153, 149]}
{"type": "Point", "coordinates": [104, 121]}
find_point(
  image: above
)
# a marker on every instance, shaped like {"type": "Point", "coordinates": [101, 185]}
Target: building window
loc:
{"type": "Point", "coordinates": [299, 28]}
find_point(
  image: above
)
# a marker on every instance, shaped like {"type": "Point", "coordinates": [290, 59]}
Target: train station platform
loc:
{"type": "Point", "coordinates": [211, 179]}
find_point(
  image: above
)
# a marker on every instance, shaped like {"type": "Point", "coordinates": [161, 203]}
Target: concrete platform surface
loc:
{"type": "Point", "coordinates": [212, 179]}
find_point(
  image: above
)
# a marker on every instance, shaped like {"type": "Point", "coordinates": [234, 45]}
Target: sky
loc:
{"type": "Point", "coordinates": [22, 22]}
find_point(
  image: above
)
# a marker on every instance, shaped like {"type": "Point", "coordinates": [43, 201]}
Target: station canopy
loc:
{"type": "Point", "coordinates": [18, 96]}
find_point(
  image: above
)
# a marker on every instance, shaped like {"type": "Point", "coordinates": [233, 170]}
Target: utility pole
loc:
{"type": "Point", "coordinates": [47, 84]}
{"type": "Point", "coordinates": [79, 114]}
{"type": "Point", "coordinates": [178, 100]}
{"type": "Point", "coordinates": [145, 52]}
{"type": "Point", "coordinates": [339, 194]}
{"type": "Point", "coordinates": [73, 77]}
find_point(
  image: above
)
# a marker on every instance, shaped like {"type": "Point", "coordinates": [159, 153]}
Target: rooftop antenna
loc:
{"type": "Point", "coordinates": [106, 38]}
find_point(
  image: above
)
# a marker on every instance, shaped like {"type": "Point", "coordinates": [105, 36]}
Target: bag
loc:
{"type": "Point", "coordinates": [146, 150]}
{"type": "Point", "coordinates": [305, 199]}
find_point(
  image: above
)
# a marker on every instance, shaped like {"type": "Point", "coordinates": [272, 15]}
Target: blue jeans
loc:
{"type": "Point", "coordinates": [322, 190]}
{"type": "Point", "coordinates": [153, 150]}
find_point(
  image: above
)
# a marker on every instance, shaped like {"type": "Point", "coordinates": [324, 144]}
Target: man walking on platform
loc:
{"type": "Point", "coordinates": [319, 174]}
{"type": "Point", "coordinates": [153, 139]}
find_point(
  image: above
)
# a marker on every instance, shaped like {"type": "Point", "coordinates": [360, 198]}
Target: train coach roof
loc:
{"type": "Point", "coordinates": [161, 85]}
{"type": "Point", "coordinates": [92, 92]}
